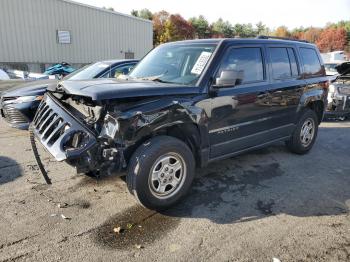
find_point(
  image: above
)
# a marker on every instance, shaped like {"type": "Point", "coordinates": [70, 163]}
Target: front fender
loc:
{"type": "Point", "coordinates": [143, 121]}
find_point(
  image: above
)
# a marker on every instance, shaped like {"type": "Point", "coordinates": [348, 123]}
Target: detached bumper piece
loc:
{"type": "Point", "coordinates": [60, 132]}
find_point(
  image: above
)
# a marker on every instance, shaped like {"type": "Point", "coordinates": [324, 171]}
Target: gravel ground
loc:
{"type": "Point", "coordinates": [255, 207]}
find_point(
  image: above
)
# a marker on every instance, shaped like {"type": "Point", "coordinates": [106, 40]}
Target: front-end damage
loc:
{"type": "Point", "coordinates": [97, 138]}
{"type": "Point", "coordinates": [339, 93]}
{"type": "Point", "coordinates": [339, 99]}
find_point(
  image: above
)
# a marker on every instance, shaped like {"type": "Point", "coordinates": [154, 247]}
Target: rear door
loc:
{"type": "Point", "coordinates": [314, 72]}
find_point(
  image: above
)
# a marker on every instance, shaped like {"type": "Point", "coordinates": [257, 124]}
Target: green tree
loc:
{"type": "Point", "coordinates": [222, 28]}
{"type": "Point", "coordinates": [261, 29]}
{"type": "Point", "coordinates": [145, 14]}
{"type": "Point", "coordinates": [201, 26]}
{"type": "Point", "coordinates": [135, 13]}
{"type": "Point", "coordinates": [108, 8]}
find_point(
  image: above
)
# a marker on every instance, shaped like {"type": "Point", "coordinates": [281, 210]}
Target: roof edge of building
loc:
{"type": "Point", "coordinates": [105, 10]}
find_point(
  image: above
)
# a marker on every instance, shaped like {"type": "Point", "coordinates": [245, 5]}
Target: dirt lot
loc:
{"type": "Point", "coordinates": [262, 205]}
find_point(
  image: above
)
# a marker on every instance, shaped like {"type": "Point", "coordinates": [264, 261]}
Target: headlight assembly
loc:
{"type": "Point", "coordinates": [26, 99]}
{"type": "Point", "coordinates": [344, 90]}
{"type": "Point", "coordinates": [110, 126]}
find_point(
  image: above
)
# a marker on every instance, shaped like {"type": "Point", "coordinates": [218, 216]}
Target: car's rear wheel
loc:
{"type": "Point", "coordinates": [305, 133]}
{"type": "Point", "coordinates": [160, 172]}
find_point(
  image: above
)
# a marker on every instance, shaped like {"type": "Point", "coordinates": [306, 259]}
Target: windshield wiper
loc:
{"type": "Point", "coordinates": [155, 78]}
{"type": "Point", "coordinates": [162, 81]}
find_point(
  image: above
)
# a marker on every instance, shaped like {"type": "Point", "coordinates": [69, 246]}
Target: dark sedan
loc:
{"type": "Point", "coordinates": [18, 105]}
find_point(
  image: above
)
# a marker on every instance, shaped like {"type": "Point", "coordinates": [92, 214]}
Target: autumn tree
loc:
{"type": "Point", "coordinates": [281, 31]}
{"type": "Point", "coordinates": [177, 28]}
{"type": "Point", "coordinates": [332, 39]}
{"type": "Point", "coordinates": [159, 21]}
{"type": "Point", "coordinates": [312, 34]}
{"type": "Point", "coordinates": [346, 26]}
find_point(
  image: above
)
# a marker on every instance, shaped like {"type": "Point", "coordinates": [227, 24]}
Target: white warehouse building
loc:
{"type": "Point", "coordinates": [35, 34]}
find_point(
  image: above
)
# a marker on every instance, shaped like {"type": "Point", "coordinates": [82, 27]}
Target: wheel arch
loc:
{"type": "Point", "coordinates": [189, 133]}
{"type": "Point", "coordinates": [318, 107]}
{"type": "Point", "coordinates": [314, 100]}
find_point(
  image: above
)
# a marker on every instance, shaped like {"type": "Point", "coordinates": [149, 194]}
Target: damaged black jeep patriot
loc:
{"type": "Point", "coordinates": [183, 106]}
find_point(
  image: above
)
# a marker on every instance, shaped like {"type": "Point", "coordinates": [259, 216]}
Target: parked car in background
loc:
{"type": "Point", "coordinates": [18, 105]}
{"type": "Point", "coordinates": [61, 70]}
{"type": "Point", "coordinates": [4, 75]}
{"type": "Point", "coordinates": [331, 68]}
{"type": "Point", "coordinates": [339, 93]}
{"type": "Point", "coordinates": [186, 104]}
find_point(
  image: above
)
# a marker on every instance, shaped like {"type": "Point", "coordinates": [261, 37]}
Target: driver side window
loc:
{"type": "Point", "coordinates": [244, 63]}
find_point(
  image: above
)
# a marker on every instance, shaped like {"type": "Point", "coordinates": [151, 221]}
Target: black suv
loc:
{"type": "Point", "coordinates": [184, 105]}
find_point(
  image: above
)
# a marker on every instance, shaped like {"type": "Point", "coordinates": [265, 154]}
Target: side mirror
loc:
{"type": "Point", "coordinates": [229, 78]}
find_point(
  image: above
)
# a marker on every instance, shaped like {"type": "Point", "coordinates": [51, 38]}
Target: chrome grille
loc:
{"type": "Point", "coordinates": [13, 116]}
{"type": "Point", "coordinates": [9, 98]}
{"type": "Point", "coordinates": [54, 126]}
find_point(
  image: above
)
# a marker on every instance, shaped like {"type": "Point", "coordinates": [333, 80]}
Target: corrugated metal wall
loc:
{"type": "Point", "coordinates": [28, 32]}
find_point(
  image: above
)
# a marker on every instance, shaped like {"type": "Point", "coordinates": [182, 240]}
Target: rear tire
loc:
{"type": "Point", "coordinates": [160, 172]}
{"type": "Point", "coordinates": [305, 133]}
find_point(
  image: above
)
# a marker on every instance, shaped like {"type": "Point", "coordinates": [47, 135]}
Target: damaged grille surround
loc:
{"type": "Point", "coordinates": [57, 131]}
{"type": "Point", "coordinates": [13, 116]}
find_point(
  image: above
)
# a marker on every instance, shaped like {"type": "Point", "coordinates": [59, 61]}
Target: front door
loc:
{"type": "Point", "coordinates": [237, 120]}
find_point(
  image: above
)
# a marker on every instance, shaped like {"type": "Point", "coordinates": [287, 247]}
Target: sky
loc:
{"type": "Point", "coordinates": [273, 13]}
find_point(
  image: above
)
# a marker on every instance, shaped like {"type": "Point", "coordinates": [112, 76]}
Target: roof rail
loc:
{"type": "Point", "coordinates": [281, 38]}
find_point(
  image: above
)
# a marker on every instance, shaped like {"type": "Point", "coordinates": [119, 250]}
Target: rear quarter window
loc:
{"type": "Point", "coordinates": [312, 64]}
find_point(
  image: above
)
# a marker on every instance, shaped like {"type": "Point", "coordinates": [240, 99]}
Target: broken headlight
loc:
{"type": "Point", "coordinates": [344, 90]}
{"type": "Point", "coordinates": [110, 126]}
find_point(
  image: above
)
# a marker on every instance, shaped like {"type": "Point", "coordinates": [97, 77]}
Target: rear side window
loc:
{"type": "Point", "coordinates": [312, 65]}
{"type": "Point", "coordinates": [248, 63]}
{"type": "Point", "coordinates": [284, 63]}
{"type": "Point", "coordinates": [293, 62]}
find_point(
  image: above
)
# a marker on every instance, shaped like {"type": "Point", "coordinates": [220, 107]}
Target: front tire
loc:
{"type": "Point", "coordinates": [305, 133]}
{"type": "Point", "coordinates": [160, 172]}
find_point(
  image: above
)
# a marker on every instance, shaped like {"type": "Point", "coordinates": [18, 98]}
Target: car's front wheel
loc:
{"type": "Point", "coordinates": [160, 172]}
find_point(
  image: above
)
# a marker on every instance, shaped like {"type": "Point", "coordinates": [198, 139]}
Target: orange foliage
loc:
{"type": "Point", "coordinates": [332, 39]}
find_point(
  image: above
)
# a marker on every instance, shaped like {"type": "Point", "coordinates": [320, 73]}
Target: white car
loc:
{"type": "Point", "coordinates": [4, 75]}
{"type": "Point", "coordinates": [330, 68]}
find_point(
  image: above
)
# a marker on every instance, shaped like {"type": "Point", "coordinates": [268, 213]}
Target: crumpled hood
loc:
{"type": "Point", "coordinates": [105, 89]}
{"type": "Point", "coordinates": [32, 88]}
{"type": "Point", "coordinates": [343, 68]}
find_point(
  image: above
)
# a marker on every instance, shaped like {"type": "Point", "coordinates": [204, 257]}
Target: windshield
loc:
{"type": "Point", "coordinates": [177, 63]}
{"type": "Point", "coordinates": [88, 72]}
